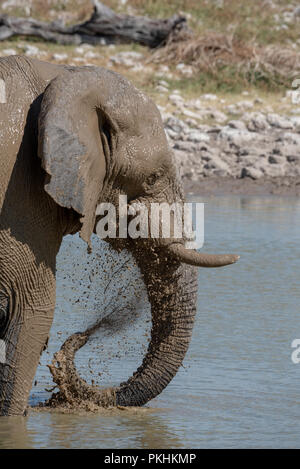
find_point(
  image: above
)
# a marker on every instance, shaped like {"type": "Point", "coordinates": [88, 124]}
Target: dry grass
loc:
{"type": "Point", "coordinates": [203, 51]}
{"type": "Point", "coordinates": [236, 44]}
{"type": "Point", "coordinates": [225, 57]}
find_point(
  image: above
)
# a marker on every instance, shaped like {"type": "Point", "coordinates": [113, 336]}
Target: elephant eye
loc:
{"type": "Point", "coordinates": [155, 176]}
{"type": "Point", "coordinates": [151, 180]}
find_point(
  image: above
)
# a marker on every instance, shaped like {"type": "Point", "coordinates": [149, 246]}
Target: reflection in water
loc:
{"type": "Point", "coordinates": [117, 429]}
{"type": "Point", "coordinates": [14, 433]}
{"type": "Point", "coordinates": [238, 387]}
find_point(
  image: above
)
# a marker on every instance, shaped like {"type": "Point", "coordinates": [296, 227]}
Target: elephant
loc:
{"type": "Point", "coordinates": [72, 138]}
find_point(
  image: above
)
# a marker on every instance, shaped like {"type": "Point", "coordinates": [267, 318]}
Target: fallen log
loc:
{"type": "Point", "coordinates": [104, 27]}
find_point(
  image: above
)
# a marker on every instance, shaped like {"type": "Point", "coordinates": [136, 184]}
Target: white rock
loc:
{"type": "Point", "coordinates": [238, 137]}
{"type": "Point", "coordinates": [169, 76]}
{"type": "Point", "coordinates": [216, 162]}
{"type": "Point", "coordinates": [289, 94]}
{"type": "Point", "coordinates": [197, 137]}
{"type": "Point", "coordinates": [291, 137]}
{"type": "Point", "coordinates": [293, 158]}
{"type": "Point", "coordinates": [273, 170]}
{"type": "Point", "coordinates": [138, 68]}
{"type": "Point", "coordinates": [279, 121]}
{"type": "Point", "coordinates": [219, 116]}
{"type": "Point", "coordinates": [288, 16]}
{"type": "Point", "coordinates": [296, 121]}
{"type": "Point", "coordinates": [160, 108]}
{"type": "Point", "coordinates": [244, 105]}
{"type": "Point", "coordinates": [276, 159]}
{"type": "Point", "coordinates": [191, 114]}
{"type": "Point", "coordinates": [91, 55]}
{"type": "Point", "coordinates": [236, 124]}
{"type": "Point", "coordinates": [176, 98]}
{"type": "Point", "coordinates": [31, 51]}
{"type": "Point", "coordinates": [257, 121]}
{"type": "Point", "coordinates": [164, 68]}
{"type": "Point", "coordinates": [128, 59]}
{"type": "Point", "coordinates": [172, 134]}
{"type": "Point", "coordinates": [163, 83]}
{"type": "Point", "coordinates": [60, 57]}
{"type": "Point", "coordinates": [79, 50]}
{"type": "Point", "coordinates": [186, 146]}
{"type": "Point", "coordinates": [253, 173]}
{"type": "Point", "coordinates": [176, 124]}
{"type": "Point", "coordinates": [162, 89]}
{"type": "Point", "coordinates": [191, 122]}
{"type": "Point", "coordinates": [269, 109]}
{"type": "Point", "coordinates": [86, 46]}
{"type": "Point", "coordinates": [232, 109]}
{"type": "Point", "coordinates": [15, 3]}
{"type": "Point", "coordinates": [186, 70]}
{"type": "Point", "coordinates": [131, 55]}
{"type": "Point", "coordinates": [9, 52]}
{"type": "Point", "coordinates": [79, 59]}
{"type": "Point", "coordinates": [195, 104]}
{"type": "Point", "coordinates": [209, 97]}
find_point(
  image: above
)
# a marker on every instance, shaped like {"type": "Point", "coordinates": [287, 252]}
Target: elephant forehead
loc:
{"type": "Point", "coordinates": [135, 114]}
{"type": "Point", "coordinates": [147, 144]}
{"type": "Point", "coordinates": [128, 106]}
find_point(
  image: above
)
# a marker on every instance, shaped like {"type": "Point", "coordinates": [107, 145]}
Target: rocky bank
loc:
{"type": "Point", "coordinates": [222, 144]}
{"type": "Point", "coordinates": [259, 152]}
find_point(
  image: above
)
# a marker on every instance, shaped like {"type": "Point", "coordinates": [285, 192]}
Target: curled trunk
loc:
{"type": "Point", "coordinates": [172, 293]}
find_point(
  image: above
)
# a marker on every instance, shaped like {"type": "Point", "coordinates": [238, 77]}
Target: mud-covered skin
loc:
{"type": "Point", "coordinates": [28, 222]}
{"type": "Point", "coordinates": [71, 138]}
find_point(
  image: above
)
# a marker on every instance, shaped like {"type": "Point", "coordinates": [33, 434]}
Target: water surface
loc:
{"type": "Point", "coordinates": [238, 387]}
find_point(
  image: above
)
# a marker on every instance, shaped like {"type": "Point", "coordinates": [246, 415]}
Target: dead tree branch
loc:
{"type": "Point", "coordinates": [104, 26]}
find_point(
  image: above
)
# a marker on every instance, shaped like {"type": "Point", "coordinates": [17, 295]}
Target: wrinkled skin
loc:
{"type": "Point", "coordinates": [70, 139]}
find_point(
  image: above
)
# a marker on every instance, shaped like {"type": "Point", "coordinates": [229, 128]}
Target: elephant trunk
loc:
{"type": "Point", "coordinates": [172, 292]}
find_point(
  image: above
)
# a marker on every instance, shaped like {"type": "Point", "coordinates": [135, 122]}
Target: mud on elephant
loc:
{"type": "Point", "coordinates": [72, 138]}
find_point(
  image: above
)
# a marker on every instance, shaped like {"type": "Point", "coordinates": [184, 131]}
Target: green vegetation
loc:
{"type": "Point", "coordinates": [248, 21]}
{"type": "Point", "coordinates": [236, 45]}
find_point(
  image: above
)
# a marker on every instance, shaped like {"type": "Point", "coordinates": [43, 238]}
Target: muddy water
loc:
{"type": "Point", "coordinates": [239, 386]}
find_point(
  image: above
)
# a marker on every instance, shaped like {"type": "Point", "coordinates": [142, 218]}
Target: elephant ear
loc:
{"type": "Point", "coordinates": [75, 137]}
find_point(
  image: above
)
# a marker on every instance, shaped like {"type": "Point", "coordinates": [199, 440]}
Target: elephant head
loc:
{"type": "Point", "coordinates": [99, 137]}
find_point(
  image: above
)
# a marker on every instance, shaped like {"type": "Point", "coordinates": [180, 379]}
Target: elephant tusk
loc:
{"type": "Point", "coordinates": [191, 257]}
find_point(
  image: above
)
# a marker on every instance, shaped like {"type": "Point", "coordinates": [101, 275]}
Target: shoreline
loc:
{"type": "Point", "coordinates": [216, 186]}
